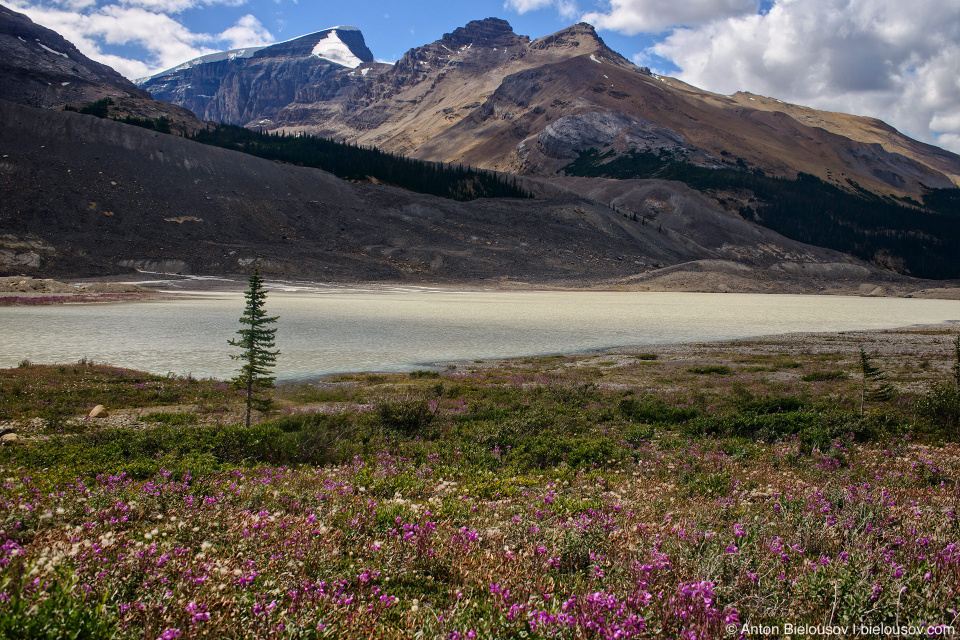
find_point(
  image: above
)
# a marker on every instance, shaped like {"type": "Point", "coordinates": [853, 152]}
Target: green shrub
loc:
{"type": "Point", "coordinates": [762, 427]}
{"type": "Point", "coordinates": [511, 429]}
{"type": "Point", "coordinates": [824, 376]}
{"type": "Point", "coordinates": [721, 369]}
{"type": "Point", "coordinates": [650, 409]}
{"type": "Point", "coordinates": [772, 404]}
{"type": "Point", "coordinates": [171, 417]}
{"type": "Point", "coordinates": [408, 417]}
{"type": "Point", "coordinates": [55, 613]}
{"type": "Point", "coordinates": [100, 108]}
{"type": "Point", "coordinates": [302, 439]}
{"type": "Point", "coordinates": [545, 451]}
{"type": "Point", "coordinates": [710, 484]}
{"type": "Point", "coordinates": [636, 435]}
{"type": "Point", "coordinates": [574, 397]}
{"type": "Point", "coordinates": [940, 407]}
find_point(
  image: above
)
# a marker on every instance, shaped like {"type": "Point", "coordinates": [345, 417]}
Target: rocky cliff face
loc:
{"type": "Point", "coordinates": [39, 68]}
{"type": "Point", "coordinates": [249, 87]}
{"type": "Point", "coordinates": [485, 96]}
{"type": "Point", "coordinates": [85, 196]}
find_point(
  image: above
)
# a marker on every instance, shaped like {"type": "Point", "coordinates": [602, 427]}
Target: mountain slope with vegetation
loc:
{"type": "Point", "coordinates": [906, 235]}
{"type": "Point", "coordinates": [566, 104]}
{"type": "Point", "coordinates": [358, 164]}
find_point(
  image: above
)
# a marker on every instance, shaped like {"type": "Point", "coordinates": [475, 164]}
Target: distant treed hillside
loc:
{"type": "Point", "coordinates": [357, 163]}
{"type": "Point", "coordinates": [919, 239]}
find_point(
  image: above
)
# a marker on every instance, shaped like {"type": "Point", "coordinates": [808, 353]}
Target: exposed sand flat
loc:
{"type": "Point", "coordinates": [20, 290]}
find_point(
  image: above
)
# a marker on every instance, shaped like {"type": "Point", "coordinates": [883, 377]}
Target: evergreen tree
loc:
{"type": "Point", "coordinates": [956, 364]}
{"type": "Point", "coordinates": [874, 385]}
{"type": "Point", "coordinates": [256, 341]}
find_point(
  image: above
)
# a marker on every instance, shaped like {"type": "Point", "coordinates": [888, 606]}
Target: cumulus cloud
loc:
{"type": "Point", "coordinates": [894, 60]}
{"type": "Point", "coordinates": [176, 6]}
{"type": "Point", "coordinates": [653, 16]}
{"type": "Point", "coordinates": [566, 8]}
{"type": "Point", "coordinates": [143, 24]}
{"type": "Point", "coordinates": [248, 32]}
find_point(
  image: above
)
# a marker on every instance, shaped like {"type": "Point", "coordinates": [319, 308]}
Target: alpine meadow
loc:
{"type": "Point", "coordinates": [643, 325]}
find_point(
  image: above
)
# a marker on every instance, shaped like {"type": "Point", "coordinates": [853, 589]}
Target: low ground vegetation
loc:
{"type": "Point", "coordinates": [564, 497]}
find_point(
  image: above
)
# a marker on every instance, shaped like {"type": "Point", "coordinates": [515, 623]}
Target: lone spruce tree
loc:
{"type": "Point", "coordinates": [874, 385]}
{"type": "Point", "coordinates": [256, 340]}
{"type": "Point", "coordinates": [956, 363]}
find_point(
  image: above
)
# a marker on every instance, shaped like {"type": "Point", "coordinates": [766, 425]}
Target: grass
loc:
{"type": "Point", "coordinates": [545, 498]}
{"type": "Point", "coordinates": [716, 369]}
{"type": "Point", "coordinates": [824, 376]}
{"type": "Point", "coordinates": [56, 392]}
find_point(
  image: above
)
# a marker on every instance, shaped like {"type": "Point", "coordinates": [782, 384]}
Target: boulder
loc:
{"type": "Point", "coordinates": [9, 438]}
{"type": "Point", "coordinates": [98, 411]}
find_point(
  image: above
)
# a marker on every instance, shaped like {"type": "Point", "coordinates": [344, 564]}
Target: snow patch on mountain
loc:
{"type": "Point", "coordinates": [53, 51]}
{"type": "Point", "coordinates": [334, 49]}
{"type": "Point", "coordinates": [233, 54]}
{"type": "Point", "coordinates": [329, 48]}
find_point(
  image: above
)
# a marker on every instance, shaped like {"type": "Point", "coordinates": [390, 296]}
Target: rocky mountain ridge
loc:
{"type": "Point", "coordinates": [86, 196]}
{"type": "Point", "coordinates": [485, 96]}
{"type": "Point", "coordinates": [249, 86]}
{"type": "Point", "coordinates": [90, 196]}
{"type": "Point", "coordinates": [39, 68]}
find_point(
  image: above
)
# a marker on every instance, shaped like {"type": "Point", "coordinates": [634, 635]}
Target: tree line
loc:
{"type": "Point", "coordinates": [353, 162]}
{"type": "Point", "coordinates": [916, 238]}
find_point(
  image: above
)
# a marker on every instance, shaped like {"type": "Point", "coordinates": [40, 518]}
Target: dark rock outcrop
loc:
{"type": "Point", "coordinates": [39, 68]}
{"type": "Point", "coordinates": [491, 32]}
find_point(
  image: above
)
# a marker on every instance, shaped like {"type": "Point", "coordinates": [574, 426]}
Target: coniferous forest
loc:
{"type": "Point", "coordinates": [918, 239]}
{"type": "Point", "coordinates": [352, 162]}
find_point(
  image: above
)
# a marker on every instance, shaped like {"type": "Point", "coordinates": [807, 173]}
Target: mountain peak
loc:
{"type": "Point", "coordinates": [580, 39]}
{"type": "Point", "coordinates": [582, 32]}
{"type": "Point", "coordinates": [488, 32]}
{"type": "Point", "coordinates": [343, 45]}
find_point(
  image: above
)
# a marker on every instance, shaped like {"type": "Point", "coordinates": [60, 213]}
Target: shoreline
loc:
{"type": "Point", "coordinates": [891, 342]}
{"type": "Point", "coordinates": [919, 340]}
{"type": "Point", "coordinates": [912, 356]}
{"type": "Point", "coordinates": [18, 291]}
{"type": "Point", "coordinates": [23, 290]}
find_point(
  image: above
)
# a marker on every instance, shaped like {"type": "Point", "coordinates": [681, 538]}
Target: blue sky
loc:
{"type": "Point", "coordinates": [891, 59]}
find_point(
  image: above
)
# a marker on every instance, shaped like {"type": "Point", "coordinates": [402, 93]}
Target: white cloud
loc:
{"type": "Point", "coordinates": [523, 6]}
{"type": "Point", "coordinates": [949, 141]}
{"type": "Point", "coordinates": [76, 5]}
{"type": "Point", "coordinates": [176, 6]}
{"type": "Point", "coordinates": [894, 60]}
{"type": "Point", "coordinates": [247, 32]}
{"type": "Point", "coordinates": [653, 16]}
{"type": "Point", "coordinates": [139, 23]}
{"type": "Point", "coordinates": [890, 59]}
{"type": "Point", "coordinates": [566, 8]}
